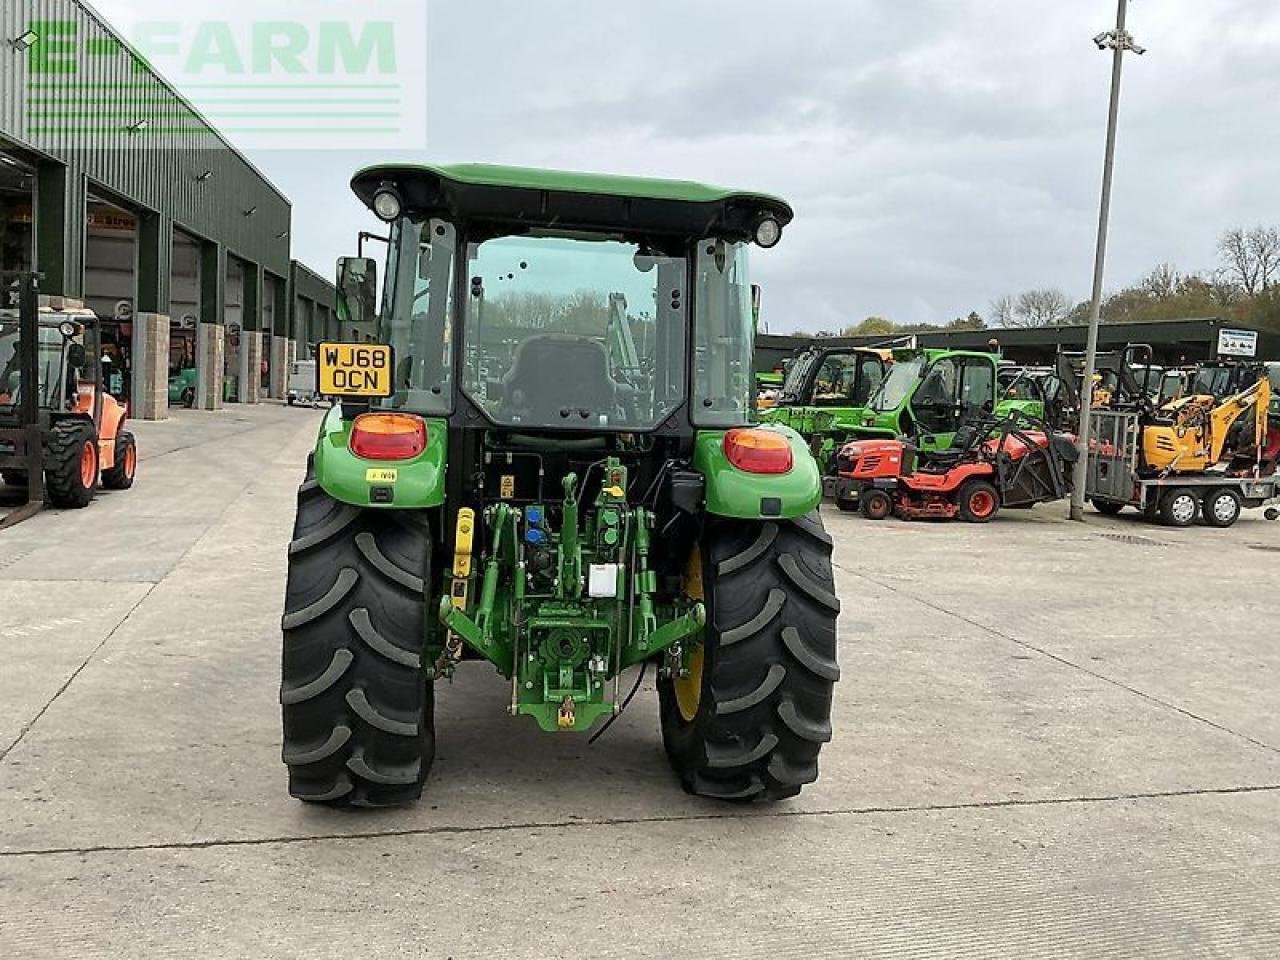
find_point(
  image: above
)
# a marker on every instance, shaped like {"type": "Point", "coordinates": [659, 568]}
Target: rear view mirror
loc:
{"type": "Point", "coordinates": [357, 289]}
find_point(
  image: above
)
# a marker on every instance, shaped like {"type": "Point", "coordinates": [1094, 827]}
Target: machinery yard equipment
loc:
{"type": "Point", "coordinates": [928, 394]}
{"type": "Point", "coordinates": [1199, 456]}
{"type": "Point", "coordinates": [824, 396]}
{"type": "Point", "coordinates": [182, 388]}
{"type": "Point", "coordinates": [547, 462]}
{"type": "Point", "coordinates": [1014, 461]}
{"type": "Point", "coordinates": [61, 434]}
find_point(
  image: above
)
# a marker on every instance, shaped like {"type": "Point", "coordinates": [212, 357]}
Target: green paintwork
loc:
{"type": "Point", "coordinates": [825, 427]}
{"type": "Point", "coordinates": [549, 634]}
{"type": "Point", "coordinates": [180, 382]}
{"type": "Point", "coordinates": [733, 493]}
{"type": "Point", "coordinates": [565, 181]}
{"type": "Point", "coordinates": [419, 482]}
{"type": "Point", "coordinates": [892, 423]}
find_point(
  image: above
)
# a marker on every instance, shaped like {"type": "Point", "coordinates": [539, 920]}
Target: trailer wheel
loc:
{"type": "Point", "coordinates": [748, 721]}
{"type": "Point", "coordinates": [1108, 508]}
{"type": "Point", "coordinates": [979, 502]}
{"type": "Point", "coordinates": [125, 467]}
{"type": "Point", "coordinates": [1178, 507]}
{"type": "Point", "coordinates": [356, 702]}
{"type": "Point", "coordinates": [71, 464]}
{"type": "Point", "coordinates": [876, 505]}
{"type": "Point", "coordinates": [1222, 507]}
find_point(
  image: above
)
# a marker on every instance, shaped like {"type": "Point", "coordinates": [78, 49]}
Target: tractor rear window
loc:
{"type": "Point", "coordinates": [574, 332]}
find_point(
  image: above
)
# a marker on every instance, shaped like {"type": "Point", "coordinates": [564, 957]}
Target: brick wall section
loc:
{"type": "Point", "coordinates": [150, 367]}
{"type": "Point", "coordinates": [210, 357]}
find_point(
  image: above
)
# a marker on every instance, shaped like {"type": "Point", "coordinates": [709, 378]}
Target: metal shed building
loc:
{"type": "Point", "coordinates": [1173, 342]}
{"type": "Point", "coordinates": [117, 191]}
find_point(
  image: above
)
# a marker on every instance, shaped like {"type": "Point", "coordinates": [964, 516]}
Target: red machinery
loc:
{"type": "Point", "coordinates": [1015, 462]}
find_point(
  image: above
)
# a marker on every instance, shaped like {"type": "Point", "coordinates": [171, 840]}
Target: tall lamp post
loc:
{"type": "Point", "coordinates": [1119, 41]}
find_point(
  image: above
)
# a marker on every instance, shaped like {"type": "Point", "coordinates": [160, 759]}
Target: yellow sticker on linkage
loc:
{"type": "Point", "coordinates": [381, 476]}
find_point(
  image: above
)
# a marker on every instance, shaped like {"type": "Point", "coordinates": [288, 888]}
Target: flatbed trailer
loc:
{"type": "Point", "coordinates": [1115, 480]}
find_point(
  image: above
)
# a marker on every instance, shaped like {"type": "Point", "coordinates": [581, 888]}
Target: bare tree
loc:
{"type": "Point", "coordinates": [1251, 257]}
{"type": "Point", "coordinates": [1046, 307]}
{"type": "Point", "coordinates": [1162, 283]}
{"type": "Point", "coordinates": [1000, 313]}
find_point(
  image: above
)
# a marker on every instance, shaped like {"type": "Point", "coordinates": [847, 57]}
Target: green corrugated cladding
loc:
{"type": "Point", "coordinates": [312, 306]}
{"type": "Point", "coordinates": [158, 176]}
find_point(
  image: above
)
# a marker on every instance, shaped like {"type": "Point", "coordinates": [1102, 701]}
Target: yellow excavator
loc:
{"type": "Point", "coordinates": [1200, 457]}
{"type": "Point", "coordinates": [1192, 433]}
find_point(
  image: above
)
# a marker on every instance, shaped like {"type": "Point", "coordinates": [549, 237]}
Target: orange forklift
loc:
{"type": "Point", "coordinates": [61, 434]}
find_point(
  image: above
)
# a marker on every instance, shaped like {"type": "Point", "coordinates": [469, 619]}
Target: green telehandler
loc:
{"type": "Point", "coordinates": [548, 462]}
{"type": "Point", "coordinates": [928, 394]}
{"type": "Point", "coordinates": [824, 396]}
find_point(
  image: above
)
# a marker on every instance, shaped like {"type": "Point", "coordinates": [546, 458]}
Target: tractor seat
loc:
{"type": "Point", "coordinates": [962, 445]}
{"type": "Point", "coordinates": [553, 373]}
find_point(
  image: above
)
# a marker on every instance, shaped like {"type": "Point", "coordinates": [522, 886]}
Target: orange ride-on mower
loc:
{"type": "Point", "coordinates": [61, 434]}
{"type": "Point", "coordinates": [1012, 462]}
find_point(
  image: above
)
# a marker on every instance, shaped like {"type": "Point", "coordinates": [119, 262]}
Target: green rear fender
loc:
{"type": "Point", "coordinates": [344, 476]}
{"type": "Point", "coordinates": [751, 496]}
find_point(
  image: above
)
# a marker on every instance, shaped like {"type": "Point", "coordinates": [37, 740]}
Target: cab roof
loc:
{"type": "Point", "coordinates": [591, 201]}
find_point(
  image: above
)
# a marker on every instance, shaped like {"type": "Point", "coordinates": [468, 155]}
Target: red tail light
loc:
{"type": "Point", "coordinates": [758, 451]}
{"type": "Point", "coordinates": [388, 436]}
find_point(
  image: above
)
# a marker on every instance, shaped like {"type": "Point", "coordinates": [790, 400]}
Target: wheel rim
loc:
{"type": "Point", "coordinates": [88, 465]}
{"type": "Point", "coordinates": [880, 506]}
{"type": "Point", "coordinates": [1184, 508]}
{"type": "Point", "coordinates": [1224, 509]}
{"type": "Point", "coordinates": [130, 461]}
{"type": "Point", "coordinates": [687, 684]}
{"type": "Point", "coordinates": [981, 503]}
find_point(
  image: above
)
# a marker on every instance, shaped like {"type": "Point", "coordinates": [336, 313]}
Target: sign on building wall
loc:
{"type": "Point", "coordinates": [1237, 343]}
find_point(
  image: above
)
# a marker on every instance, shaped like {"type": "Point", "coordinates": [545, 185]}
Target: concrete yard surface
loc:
{"type": "Point", "coordinates": [1051, 740]}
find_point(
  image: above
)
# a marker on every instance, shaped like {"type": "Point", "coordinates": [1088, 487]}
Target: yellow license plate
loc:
{"type": "Point", "coordinates": [381, 476]}
{"type": "Point", "coordinates": [355, 369]}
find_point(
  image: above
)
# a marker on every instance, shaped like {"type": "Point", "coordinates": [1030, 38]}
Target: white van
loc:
{"type": "Point", "coordinates": [302, 383]}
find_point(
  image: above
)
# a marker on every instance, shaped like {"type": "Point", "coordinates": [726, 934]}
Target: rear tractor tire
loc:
{"type": "Point", "coordinates": [71, 464]}
{"type": "Point", "coordinates": [125, 466]}
{"type": "Point", "coordinates": [358, 707]}
{"type": "Point", "coordinates": [750, 719]}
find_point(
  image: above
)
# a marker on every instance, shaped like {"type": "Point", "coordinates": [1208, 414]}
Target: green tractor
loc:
{"type": "Point", "coordinates": [928, 393]}
{"type": "Point", "coordinates": [548, 462]}
{"type": "Point", "coordinates": [825, 395]}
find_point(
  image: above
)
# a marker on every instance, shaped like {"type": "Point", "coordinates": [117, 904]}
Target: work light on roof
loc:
{"type": "Point", "coordinates": [768, 231]}
{"type": "Point", "coordinates": [387, 205]}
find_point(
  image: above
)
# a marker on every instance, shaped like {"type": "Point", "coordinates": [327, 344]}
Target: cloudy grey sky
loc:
{"type": "Point", "coordinates": [938, 153]}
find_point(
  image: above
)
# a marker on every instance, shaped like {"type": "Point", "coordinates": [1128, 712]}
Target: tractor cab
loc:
{"type": "Point", "coordinates": [929, 394]}
{"type": "Point", "coordinates": [825, 393]}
